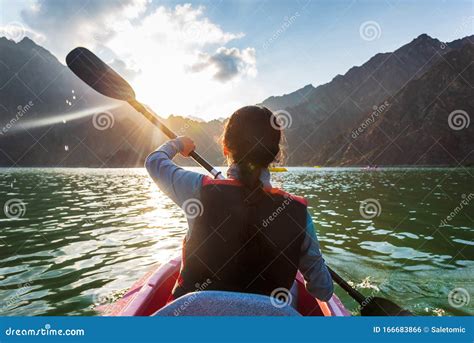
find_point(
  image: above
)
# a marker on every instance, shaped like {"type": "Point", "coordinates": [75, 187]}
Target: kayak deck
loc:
{"type": "Point", "coordinates": [153, 290]}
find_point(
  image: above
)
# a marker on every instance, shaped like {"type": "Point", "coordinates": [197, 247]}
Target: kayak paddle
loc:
{"type": "Point", "coordinates": [102, 78]}
{"type": "Point", "coordinates": [370, 306]}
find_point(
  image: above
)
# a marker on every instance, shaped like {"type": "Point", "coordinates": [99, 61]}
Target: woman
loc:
{"type": "Point", "coordinates": [244, 235]}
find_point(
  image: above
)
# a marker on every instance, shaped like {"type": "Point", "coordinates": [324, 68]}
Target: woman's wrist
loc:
{"type": "Point", "coordinates": [178, 144]}
{"type": "Point", "coordinates": [170, 148]}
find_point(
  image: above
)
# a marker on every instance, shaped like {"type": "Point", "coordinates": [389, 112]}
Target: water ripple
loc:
{"type": "Point", "coordinates": [86, 230]}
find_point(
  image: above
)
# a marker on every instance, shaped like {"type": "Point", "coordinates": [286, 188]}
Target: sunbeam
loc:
{"type": "Point", "coordinates": [61, 117]}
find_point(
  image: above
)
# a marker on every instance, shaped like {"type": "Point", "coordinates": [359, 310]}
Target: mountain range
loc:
{"type": "Point", "coordinates": [411, 106]}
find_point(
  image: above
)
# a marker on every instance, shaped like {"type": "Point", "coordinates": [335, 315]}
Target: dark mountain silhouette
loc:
{"type": "Point", "coordinates": [34, 86]}
{"type": "Point", "coordinates": [334, 107]}
{"type": "Point", "coordinates": [417, 85]}
{"type": "Point", "coordinates": [276, 103]}
{"type": "Point", "coordinates": [30, 72]}
{"type": "Point", "coordinates": [427, 123]}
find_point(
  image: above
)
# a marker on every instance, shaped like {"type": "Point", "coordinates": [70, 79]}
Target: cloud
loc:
{"type": "Point", "coordinates": [16, 31]}
{"type": "Point", "coordinates": [227, 63]}
{"type": "Point", "coordinates": [181, 28]}
{"type": "Point", "coordinates": [175, 57]}
{"type": "Point", "coordinates": [122, 68]}
{"type": "Point", "coordinates": [67, 24]}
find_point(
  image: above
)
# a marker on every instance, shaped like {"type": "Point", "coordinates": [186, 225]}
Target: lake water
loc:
{"type": "Point", "coordinates": [68, 236]}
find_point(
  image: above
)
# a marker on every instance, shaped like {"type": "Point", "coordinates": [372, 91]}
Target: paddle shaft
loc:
{"type": "Point", "coordinates": [155, 121]}
{"type": "Point", "coordinates": [359, 297]}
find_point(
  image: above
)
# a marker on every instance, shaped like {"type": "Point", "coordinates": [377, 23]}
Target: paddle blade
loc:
{"type": "Point", "coordinates": [383, 307]}
{"type": "Point", "coordinates": [98, 75]}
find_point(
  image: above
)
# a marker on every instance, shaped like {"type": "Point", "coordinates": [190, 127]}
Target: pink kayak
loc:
{"type": "Point", "coordinates": [152, 292]}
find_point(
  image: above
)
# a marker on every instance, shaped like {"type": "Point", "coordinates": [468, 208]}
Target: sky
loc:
{"type": "Point", "coordinates": [207, 58]}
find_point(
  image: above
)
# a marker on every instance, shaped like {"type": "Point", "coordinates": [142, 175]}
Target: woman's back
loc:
{"type": "Point", "coordinates": [244, 236]}
{"type": "Point", "coordinates": [241, 245]}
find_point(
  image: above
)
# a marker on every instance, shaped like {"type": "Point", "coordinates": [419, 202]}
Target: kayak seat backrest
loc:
{"type": "Point", "coordinates": [219, 303]}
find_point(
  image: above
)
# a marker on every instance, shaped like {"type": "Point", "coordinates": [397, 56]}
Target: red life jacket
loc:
{"type": "Point", "coordinates": [243, 245]}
